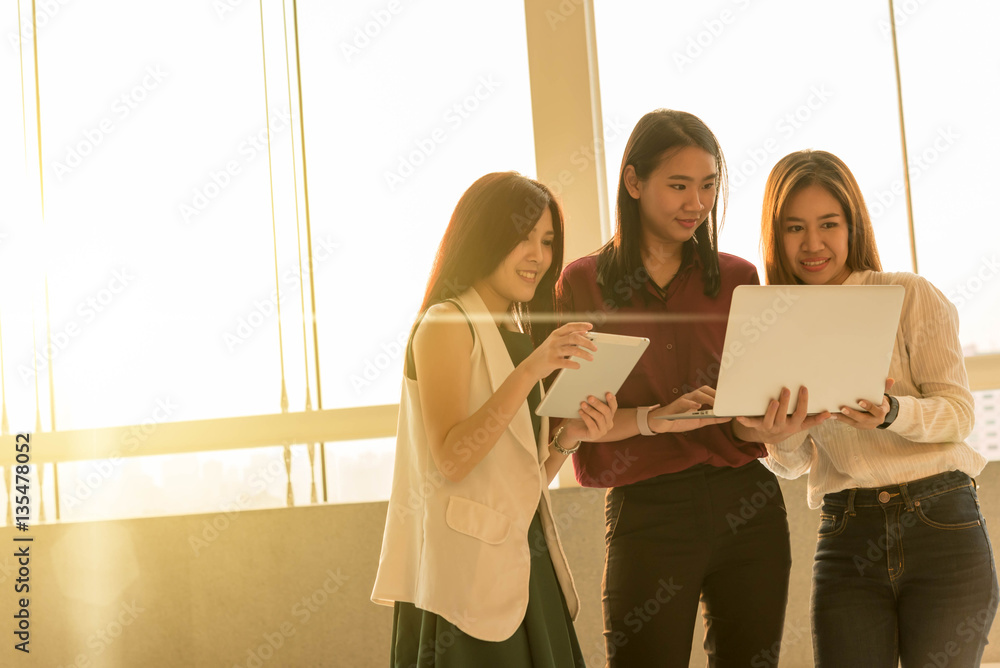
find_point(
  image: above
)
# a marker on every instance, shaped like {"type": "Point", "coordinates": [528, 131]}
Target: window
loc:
{"type": "Point", "coordinates": [157, 242]}
{"type": "Point", "coordinates": [950, 126]}
{"type": "Point", "coordinates": [768, 79]}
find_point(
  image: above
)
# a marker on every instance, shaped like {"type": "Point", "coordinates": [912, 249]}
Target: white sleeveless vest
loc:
{"type": "Point", "coordinates": [460, 550]}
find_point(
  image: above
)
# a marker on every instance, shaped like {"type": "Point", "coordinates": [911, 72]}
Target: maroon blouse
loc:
{"type": "Point", "coordinates": [686, 331]}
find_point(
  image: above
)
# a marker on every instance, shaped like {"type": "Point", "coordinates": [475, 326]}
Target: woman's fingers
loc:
{"type": "Point", "coordinates": [878, 410]}
{"type": "Point", "coordinates": [601, 407]}
{"type": "Point", "coordinates": [701, 397]}
{"type": "Point", "coordinates": [871, 417]}
{"type": "Point", "coordinates": [801, 407]}
{"type": "Point", "coordinates": [584, 341]}
{"type": "Point", "coordinates": [597, 415]}
{"type": "Point", "coordinates": [572, 350]}
{"type": "Point", "coordinates": [814, 420]}
{"type": "Point", "coordinates": [574, 327]}
{"type": "Point", "coordinates": [771, 415]}
{"type": "Point", "coordinates": [612, 402]}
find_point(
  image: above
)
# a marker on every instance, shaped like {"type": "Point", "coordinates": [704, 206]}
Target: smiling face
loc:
{"type": "Point", "coordinates": [814, 235]}
{"type": "Point", "coordinates": [517, 276]}
{"type": "Point", "coordinates": [677, 197]}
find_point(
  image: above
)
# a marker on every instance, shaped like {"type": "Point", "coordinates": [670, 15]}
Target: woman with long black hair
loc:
{"type": "Point", "coordinates": [690, 516]}
{"type": "Point", "coordinates": [471, 559]}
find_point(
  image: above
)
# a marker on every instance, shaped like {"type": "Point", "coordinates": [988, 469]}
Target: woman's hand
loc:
{"type": "Point", "coordinates": [596, 418]}
{"type": "Point", "coordinates": [870, 418]}
{"type": "Point", "coordinates": [692, 401]}
{"type": "Point", "coordinates": [555, 351]}
{"type": "Point", "coordinates": [777, 424]}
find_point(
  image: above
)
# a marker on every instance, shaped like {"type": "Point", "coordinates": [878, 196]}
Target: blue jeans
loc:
{"type": "Point", "coordinates": [903, 573]}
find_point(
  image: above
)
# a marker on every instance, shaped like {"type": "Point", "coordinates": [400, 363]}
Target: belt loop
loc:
{"type": "Point", "coordinates": [905, 492]}
{"type": "Point", "coordinates": [850, 501]}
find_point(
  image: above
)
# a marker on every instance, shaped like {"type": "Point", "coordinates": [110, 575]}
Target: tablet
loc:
{"type": "Point", "coordinates": [614, 359]}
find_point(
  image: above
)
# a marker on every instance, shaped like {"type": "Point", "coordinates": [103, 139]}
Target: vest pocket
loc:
{"type": "Point", "coordinates": [477, 520]}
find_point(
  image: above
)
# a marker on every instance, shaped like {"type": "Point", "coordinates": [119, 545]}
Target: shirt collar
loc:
{"type": "Point", "coordinates": [690, 261]}
{"type": "Point", "coordinates": [857, 277]}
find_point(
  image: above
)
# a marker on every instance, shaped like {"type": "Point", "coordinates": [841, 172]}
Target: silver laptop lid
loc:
{"type": "Point", "coordinates": [837, 340]}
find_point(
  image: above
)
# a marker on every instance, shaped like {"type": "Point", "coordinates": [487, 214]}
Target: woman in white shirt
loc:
{"type": "Point", "coordinates": [904, 567]}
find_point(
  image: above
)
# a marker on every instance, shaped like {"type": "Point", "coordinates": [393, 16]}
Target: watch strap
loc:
{"type": "Point", "coordinates": [890, 417]}
{"type": "Point", "coordinates": [642, 419]}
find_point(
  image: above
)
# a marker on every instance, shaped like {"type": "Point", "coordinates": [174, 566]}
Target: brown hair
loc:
{"type": "Point", "coordinates": [657, 136]}
{"type": "Point", "coordinates": [494, 215]}
{"type": "Point", "coordinates": [793, 173]}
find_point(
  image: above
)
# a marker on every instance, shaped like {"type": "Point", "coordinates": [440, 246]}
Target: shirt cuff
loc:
{"type": "Point", "coordinates": [908, 408]}
{"type": "Point", "coordinates": [790, 444]}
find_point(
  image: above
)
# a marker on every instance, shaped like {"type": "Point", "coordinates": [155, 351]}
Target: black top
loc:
{"type": "Point", "coordinates": [519, 346]}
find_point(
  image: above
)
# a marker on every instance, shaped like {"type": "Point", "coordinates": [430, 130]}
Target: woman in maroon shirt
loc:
{"type": "Point", "coordinates": [691, 513]}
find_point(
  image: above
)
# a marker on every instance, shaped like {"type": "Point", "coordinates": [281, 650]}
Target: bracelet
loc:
{"type": "Point", "coordinates": [559, 448]}
{"type": "Point", "coordinates": [642, 419]}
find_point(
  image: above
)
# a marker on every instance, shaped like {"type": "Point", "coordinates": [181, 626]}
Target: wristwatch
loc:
{"type": "Point", "coordinates": [893, 412]}
{"type": "Point", "coordinates": [642, 419]}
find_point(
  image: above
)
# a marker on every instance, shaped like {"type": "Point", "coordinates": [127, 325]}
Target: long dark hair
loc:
{"type": "Point", "coordinates": [495, 214]}
{"type": "Point", "coordinates": [799, 170]}
{"type": "Point", "coordinates": [656, 136]}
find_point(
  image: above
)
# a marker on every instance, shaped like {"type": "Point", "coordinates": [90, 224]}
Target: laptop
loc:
{"type": "Point", "coordinates": [836, 340]}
